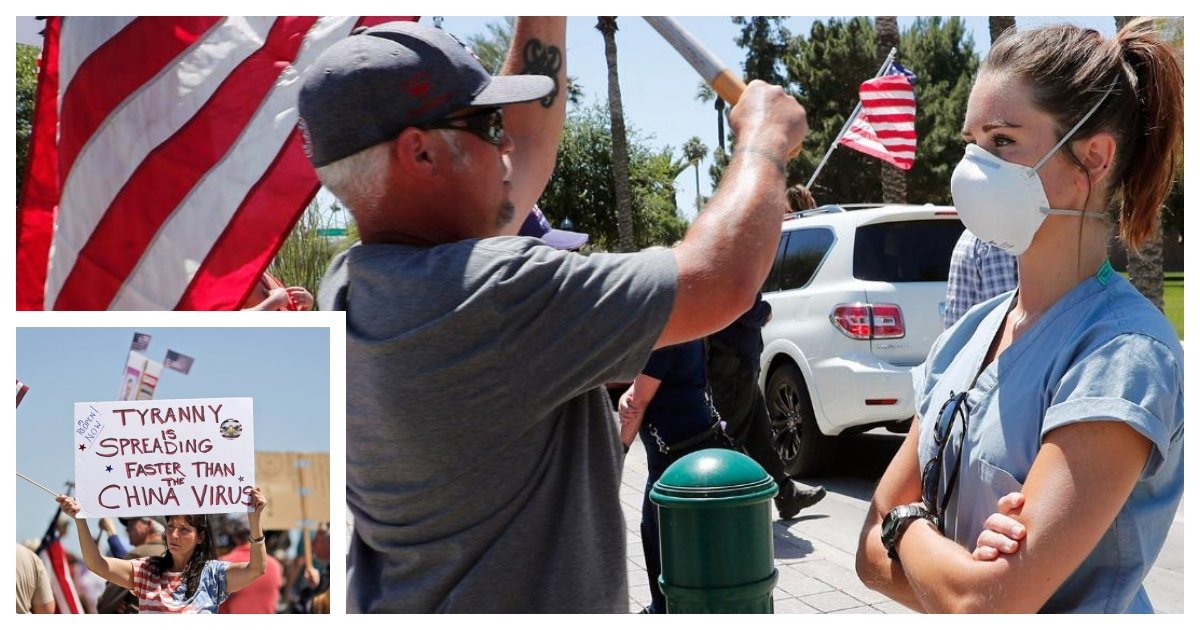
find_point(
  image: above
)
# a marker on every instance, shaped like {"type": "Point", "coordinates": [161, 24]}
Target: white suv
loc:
{"type": "Point", "coordinates": [857, 299]}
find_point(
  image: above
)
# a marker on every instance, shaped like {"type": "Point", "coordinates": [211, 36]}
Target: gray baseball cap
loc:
{"type": "Point", "coordinates": [368, 87]}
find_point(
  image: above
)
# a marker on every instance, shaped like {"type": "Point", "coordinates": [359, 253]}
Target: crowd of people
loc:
{"type": "Point", "coordinates": [182, 564]}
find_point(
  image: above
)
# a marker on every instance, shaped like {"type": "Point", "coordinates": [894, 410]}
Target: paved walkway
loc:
{"type": "Point", "coordinates": [814, 553]}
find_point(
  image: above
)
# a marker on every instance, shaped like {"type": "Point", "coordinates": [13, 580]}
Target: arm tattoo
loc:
{"type": "Point", "coordinates": [774, 159]}
{"type": "Point", "coordinates": [547, 60]}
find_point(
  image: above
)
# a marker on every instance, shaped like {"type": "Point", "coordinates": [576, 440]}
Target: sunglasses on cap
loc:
{"type": "Point", "coordinates": [487, 124]}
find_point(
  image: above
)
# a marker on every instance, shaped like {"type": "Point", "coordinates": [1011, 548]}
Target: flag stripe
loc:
{"type": "Point", "coordinates": [287, 181]}
{"type": "Point", "coordinates": [159, 281]}
{"type": "Point", "coordinates": [98, 175]}
{"type": "Point", "coordinates": [241, 241]}
{"type": "Point", "coordinates": [162, 182]}
{"type": "Point", "coordinates": [886, 125]}
{"type": "Point", "coordinates": [35, 218]}
{"type": "Point", "coordinates": [157, 40]}
{"type": "Point", "coordinates": [86, 35]}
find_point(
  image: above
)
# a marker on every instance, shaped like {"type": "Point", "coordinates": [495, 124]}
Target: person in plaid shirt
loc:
{"type": "Point", "coordinates": [978, 271]}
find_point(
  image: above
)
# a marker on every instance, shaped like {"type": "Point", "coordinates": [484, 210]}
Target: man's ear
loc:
{"type": "Point", "coordinates": [415, 153]}
{"type": "Point", "coordinates": [1097, 154]}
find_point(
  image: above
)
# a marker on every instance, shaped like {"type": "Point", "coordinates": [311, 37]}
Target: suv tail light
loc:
{"type": "Point", "coordinates": [868, 321]}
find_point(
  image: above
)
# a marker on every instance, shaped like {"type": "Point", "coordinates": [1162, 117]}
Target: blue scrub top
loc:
{"type": "Point", "coordinates": [1101, 353]}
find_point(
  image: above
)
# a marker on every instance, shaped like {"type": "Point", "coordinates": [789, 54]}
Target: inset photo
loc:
{"type": "Point", "coordinates": [173, 470]}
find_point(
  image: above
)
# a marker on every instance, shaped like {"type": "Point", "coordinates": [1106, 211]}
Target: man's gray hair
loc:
{"type": "Point", "coordinates": [359, 180]}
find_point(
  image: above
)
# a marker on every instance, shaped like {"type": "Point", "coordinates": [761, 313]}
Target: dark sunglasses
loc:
{"type": "Point", "coordinates": [936, 495]}
{"type": "Point", "coordinates": [487, 124]}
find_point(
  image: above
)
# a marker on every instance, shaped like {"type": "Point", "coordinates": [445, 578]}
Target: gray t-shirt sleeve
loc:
{"type": "Point", "coordinates": [577, 322]}
{"type": "Point", "coordinates": [1133, 379]}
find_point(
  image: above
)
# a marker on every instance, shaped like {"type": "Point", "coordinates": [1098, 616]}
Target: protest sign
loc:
{"type": "Point", "coordinates": [162, 457]}
{"type": "Point", "coordinates": [298, 487]}
{"type": "Point", "coordinates": [140, 378]}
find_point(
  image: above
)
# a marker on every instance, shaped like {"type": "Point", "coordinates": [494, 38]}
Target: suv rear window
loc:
{"type": "Point", "coordinates": [905, 251]}
{"type": "Point", "coordinates": [800, 253]}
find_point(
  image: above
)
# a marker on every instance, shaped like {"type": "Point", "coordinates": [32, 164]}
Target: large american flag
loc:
{"type": "Point", "coordinates": [886, 125]}
{"type": "Point", "coordinates": [166, 169]}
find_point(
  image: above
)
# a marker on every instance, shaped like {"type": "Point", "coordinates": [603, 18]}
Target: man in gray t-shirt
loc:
{"type": "Point", "coordinates": [483, 461]}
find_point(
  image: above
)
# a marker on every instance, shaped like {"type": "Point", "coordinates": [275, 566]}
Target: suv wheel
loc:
{"type": "Point", "coordinates": [797, 438]}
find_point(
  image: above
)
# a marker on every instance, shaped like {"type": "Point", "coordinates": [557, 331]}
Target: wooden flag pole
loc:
{"type": "Point", "coordinates": [727, 84]}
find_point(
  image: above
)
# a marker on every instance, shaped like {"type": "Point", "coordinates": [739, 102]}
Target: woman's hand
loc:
{"type": "Point", "coordinates": [300, 298]}
{"type": "Point", "coordinates": [1002, 532]}
{"type": "Point", "coordinates": [69, 506]}
{"type": "Point", "coordinates": [258, 501]}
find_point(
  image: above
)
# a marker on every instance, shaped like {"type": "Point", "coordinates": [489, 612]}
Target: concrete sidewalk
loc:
{"type": "Point", "coordinates": [814, 553]}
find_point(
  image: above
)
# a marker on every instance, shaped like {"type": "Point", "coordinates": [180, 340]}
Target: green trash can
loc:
{"type": "Point", "coordinates": [714, 522]}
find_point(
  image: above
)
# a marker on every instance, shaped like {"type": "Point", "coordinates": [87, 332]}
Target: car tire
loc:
{"type": "Point", "coordinates": [805, 451]}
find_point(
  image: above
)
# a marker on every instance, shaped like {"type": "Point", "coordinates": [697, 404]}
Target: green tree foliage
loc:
{"type": "Point", "coordinates": [26, 91]}
{"type": "Point", "coordinates": [942, 54]}
{"type": "Point", "coordinates": [306, 253]}
{"type": "Point", "coordinates": [582, 186]}
{"type": "Point", "coordinates": [824, 73]}
{"type": "Point", "coordinates": [492, 49]}
{"type": "Point", "coordinates": [824, 69]}
{"type": "Point", "coordinates": [767, 43]}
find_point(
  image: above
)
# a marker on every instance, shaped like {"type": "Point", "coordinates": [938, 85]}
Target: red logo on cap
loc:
{"type": "Point", "coordinates": [418, 85]}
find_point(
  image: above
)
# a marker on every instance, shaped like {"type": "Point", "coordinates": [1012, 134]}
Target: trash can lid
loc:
{"type": "Point", "coordinates": [714, 473]}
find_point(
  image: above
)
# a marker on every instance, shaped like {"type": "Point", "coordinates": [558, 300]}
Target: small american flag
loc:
{"type": "Point", "coordinates": [178, 362]}
{"type": "Point", "coordinates": [21, 389]}
{"type": "Point", "coordinates": [141, 341]}
{"type": "Point", "coordinates": [886, 126]}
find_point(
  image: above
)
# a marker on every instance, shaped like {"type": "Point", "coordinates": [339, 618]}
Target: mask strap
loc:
{"type": "Point", "coordinates": [1075, 128]}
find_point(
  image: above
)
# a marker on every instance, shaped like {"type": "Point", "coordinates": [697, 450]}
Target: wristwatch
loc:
{"type": "Point", "coordinates": [897, 520]}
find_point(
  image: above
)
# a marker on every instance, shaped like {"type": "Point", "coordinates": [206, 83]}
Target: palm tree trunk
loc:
{"type": "Point", "coordinates": [625, 240]}
{"type": "Point", "coordinates": [894, 181]}
{"type": "Point", "coordinates": [997, 24]}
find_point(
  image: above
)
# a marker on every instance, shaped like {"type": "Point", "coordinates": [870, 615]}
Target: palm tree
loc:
{"type": "Point", "coordinates": [625, 241]}
{"type": "Point", "coordinates": [997, 24]}
{"type": "Point", "coordinates": [1146, 265]}
{"type": "Point", "coordinates": [894, 180]}
{"type": "Point", "coordinates": [693, 151]}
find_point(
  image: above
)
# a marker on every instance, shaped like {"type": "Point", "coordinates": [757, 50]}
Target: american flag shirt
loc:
{"type": "Point", "coordinates": [166, 592]}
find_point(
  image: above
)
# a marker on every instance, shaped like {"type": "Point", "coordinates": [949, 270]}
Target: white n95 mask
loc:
{"type": "Point", "coordinates": [1005, 203]}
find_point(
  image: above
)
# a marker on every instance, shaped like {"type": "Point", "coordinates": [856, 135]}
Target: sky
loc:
{"type": "Point", "coordinates": [658, 87]}
{"type": "Point", "coordinates": [285, 370]}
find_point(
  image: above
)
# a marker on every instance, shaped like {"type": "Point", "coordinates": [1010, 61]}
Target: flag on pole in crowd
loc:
{"type": "Point", "coordinates": [21, 389]}
{"type": "Point", "coordinates": [886, 125]}
{"type": "Point", "coordinates": [178, 362]}
{"type": "Point", "coordinates": [172, 183]}
{"type": "Point", "coordinates": [140, 378]}
{"type": "Point", "coordinates": [141, 341]}
{"type": "Point", "coordinates": [66, 597]}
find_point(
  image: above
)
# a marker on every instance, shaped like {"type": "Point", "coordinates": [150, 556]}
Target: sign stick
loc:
{"type": "Point", "coordinates": [52, 493]}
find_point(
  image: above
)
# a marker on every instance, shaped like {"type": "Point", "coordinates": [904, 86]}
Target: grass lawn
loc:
{"type": "Point", "coordinates": [1173, 299]}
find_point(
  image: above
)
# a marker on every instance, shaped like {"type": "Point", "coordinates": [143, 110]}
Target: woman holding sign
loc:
{"type": "Point", "coordinates": [188, 578]}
